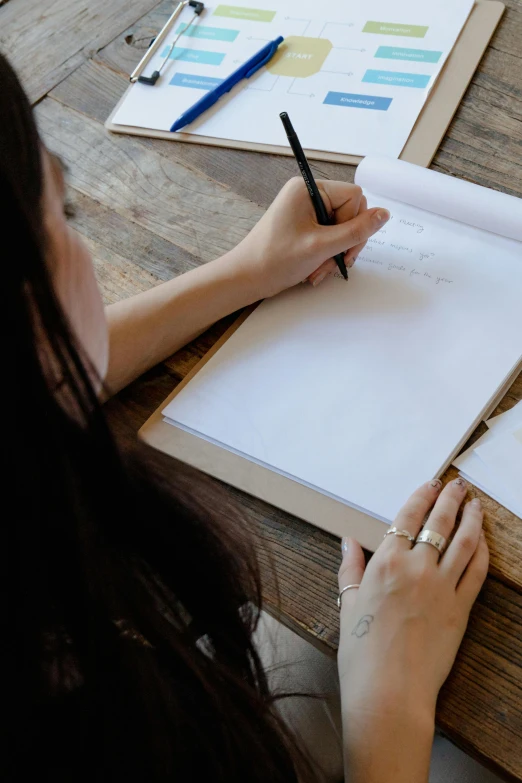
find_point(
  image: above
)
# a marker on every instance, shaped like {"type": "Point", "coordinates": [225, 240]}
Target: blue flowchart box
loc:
{"type": "Point", "coordinates": [194, 81]}
{"type": "Point", "coordinates": [354, 101]}
{"type": "Point", "coordinates": [194, 56]}
{"type": "Point", "coordinates": [396, 79]}
{"type": "Point", "coordinates": [413, 55]}
{"type": "Point", "coordinates": [210, 33]}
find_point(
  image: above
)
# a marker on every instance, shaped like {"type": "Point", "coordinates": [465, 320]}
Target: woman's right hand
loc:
{"type": "Point", "coordinates": [400, 631]}
{"type": "Point", "coordinates": [288, 246]}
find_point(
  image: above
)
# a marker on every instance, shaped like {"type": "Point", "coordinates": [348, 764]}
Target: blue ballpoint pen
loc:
{"type": "Point", "coordinates": [245, 71]}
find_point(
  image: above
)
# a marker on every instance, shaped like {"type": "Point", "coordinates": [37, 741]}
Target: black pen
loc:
{"type": "Point", "coordinates": [323, 217]}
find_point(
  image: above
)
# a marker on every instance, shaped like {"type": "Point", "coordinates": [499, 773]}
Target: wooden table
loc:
{"type": "Point", "coordinates": [74, 57]}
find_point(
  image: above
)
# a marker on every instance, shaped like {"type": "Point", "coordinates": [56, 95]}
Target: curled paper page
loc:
{"type": "Point", "coordinates": [449, 197]}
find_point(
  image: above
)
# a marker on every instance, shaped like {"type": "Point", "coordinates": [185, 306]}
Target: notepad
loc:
{"type": "Point", "coordinates": [353, 76]}
{"type": "Point", "coordinates": [364, 390]}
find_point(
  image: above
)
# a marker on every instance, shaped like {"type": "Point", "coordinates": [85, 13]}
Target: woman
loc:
{"type": "Point", "coordinates": [130, 611]}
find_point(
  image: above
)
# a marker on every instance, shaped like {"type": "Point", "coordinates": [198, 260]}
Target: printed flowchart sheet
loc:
{"type": "Point", "coordinates": [352, 76]}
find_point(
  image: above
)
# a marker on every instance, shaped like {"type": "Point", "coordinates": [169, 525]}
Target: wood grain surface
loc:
{"type": "Point", "coordinates": [151, 209]}
{"type": "Point", "coordinates": [47, 40]}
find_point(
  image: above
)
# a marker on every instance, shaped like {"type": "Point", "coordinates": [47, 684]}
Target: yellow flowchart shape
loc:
{"type": "Point", "coordinates": [300, 56]}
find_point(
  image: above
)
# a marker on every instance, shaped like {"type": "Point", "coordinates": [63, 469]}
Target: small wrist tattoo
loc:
{"type": "Point", "coordinates": [363, 626]}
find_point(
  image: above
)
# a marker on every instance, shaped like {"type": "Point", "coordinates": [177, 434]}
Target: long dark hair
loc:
{"type": "Point", "coordinates": [128, 607]}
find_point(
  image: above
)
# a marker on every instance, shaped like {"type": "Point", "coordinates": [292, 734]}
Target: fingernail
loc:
{"type": "Point", "coordinates": [460, 482]}
{"type": "Point", "coordinates": [345, 545]}
{"type": "Point", "coordinates": [352, 261]}
{"type": "Point", "coordinates": [436, 484]}
{"type": "Point", "coordinates": [319, 279]}
{"type": "Point", "coordinates": [476, 503]}
{"type": "Point", "coordinates": [382, 216]}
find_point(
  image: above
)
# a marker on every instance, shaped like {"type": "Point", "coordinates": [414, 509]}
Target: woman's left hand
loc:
{"type": "Point", "coordinates": [288, 246]}
{"type": "Point", "coordinates": [418, 602]}
{"type": "Point", "coordinates": [401, 629]}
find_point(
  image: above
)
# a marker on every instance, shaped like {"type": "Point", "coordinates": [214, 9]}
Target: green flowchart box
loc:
{"type": "Point", "coordinates": [251, 14]}
{"type": "Point", "coordinates": [390, 28]}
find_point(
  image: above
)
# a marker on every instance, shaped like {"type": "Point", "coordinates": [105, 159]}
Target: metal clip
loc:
{"type": "Point", "coordinates": [156, 43]}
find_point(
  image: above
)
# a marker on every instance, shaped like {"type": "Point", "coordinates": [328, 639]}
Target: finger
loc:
{"type": "Point", "coordinates": [443, 517]}
{"type": "Point", "coordinates": [351, 256]}
{"type": "Point", "coordinates": [465, 541]}
{"type": "Point", "coordinates": [351, 571]}
{"type": "Point", "coordinates": [330, 267]}
{"type": "Point", "coordinates": [475, 574]}
{"type": "Point", "coordinates": [340, 196]}
{"type": "Point", "coordinates": [341, 237]}
{"type": "Point", "coordinates": [412, 515]}
{"type": "Point", "coordinates": [350, 208]}
{"type": "Point", "coordinates": [323, 271]}
{"type": "Point", "coordinates": [342, 215]}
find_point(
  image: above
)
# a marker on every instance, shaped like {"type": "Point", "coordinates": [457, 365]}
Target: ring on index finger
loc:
{"type": "Point", "coordinates": [403, 533]}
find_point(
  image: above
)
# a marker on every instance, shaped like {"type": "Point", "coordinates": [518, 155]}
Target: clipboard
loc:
{"type": "Point", "coordinates": [432, 122]}
{"type": "Point", "coordinates": [265, 484]}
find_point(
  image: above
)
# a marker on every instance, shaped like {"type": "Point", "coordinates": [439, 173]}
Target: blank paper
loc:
{"type": "Point", "coordinates": [367, 388]}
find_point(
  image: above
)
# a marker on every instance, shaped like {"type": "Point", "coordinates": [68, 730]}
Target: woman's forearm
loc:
{"type": "Point", "coordinates": [286, 247]}
{"type": "Point", "coordinates": [147, 328]}
{"type": "Point", "coordinates": [384, 745]}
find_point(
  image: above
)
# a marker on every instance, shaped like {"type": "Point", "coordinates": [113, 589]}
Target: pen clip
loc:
{"type": "Point", "coordinates": [273, 47]}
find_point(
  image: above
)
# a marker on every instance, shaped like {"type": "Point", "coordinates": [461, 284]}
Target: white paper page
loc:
{"type": "Point", "coordinates": [507, 418]}
{"type": "Point", "coordinates": [368, 388]}
{"type": "Point", "coordinates": [352, 76]}
{"type": "Point", "coordinates": [450, 197]}
{"type": "Point", "coordinates": [472, 468]}
{"type": "Point", "coordinates": [477, 473]}
{"type": "Point", "coordinates": [502, 456]}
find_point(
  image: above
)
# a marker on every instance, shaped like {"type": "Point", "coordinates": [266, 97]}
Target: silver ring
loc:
{"type": "Point", "coordinates": [434, 539]}
{"type": "Point", "coordinates": [348, 587]}
{"type": "Point", "coordinates": [396, 532]}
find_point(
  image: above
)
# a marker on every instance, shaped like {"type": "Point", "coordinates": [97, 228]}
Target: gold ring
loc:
{"type": "Point", "coordinates": [432, 538]}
